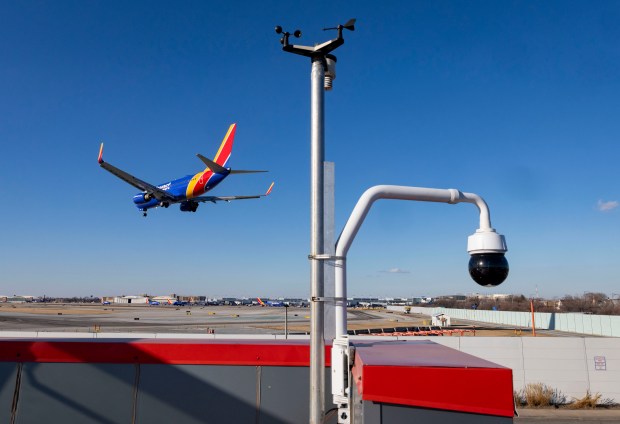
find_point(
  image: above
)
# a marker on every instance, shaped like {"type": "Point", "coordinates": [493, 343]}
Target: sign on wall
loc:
{"type": "Point", "coordinates": [600, 363]}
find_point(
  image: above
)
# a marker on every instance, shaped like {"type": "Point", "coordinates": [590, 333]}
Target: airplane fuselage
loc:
{"type": "Point", "coordinates": [182, 189]}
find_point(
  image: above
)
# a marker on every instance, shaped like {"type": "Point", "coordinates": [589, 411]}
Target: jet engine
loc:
{"type": "Point", "coordinates": [142, 198]}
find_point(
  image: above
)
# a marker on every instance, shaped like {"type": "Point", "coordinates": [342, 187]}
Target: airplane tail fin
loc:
{"type": "Point", "coordinates": [223, 154]}
{"type": "Point", "coordinates": [218, 164]}
{"type": "Point", "coordinates": [260, 302]}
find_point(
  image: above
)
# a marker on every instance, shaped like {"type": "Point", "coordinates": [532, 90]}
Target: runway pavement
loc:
{"type": "Point", "coordinates": [116, 318]}
{"type": "Point", "coordinates": [167, 318]}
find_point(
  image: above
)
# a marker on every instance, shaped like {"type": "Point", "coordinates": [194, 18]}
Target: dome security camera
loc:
{"type": "Point", "coordinates": [488, 269]}
{"type": "Point", "coordinates": [487, 265]}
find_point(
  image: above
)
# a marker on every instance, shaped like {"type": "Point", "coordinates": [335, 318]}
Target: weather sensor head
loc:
{"type": "Point", "coordinates": [487, 265]}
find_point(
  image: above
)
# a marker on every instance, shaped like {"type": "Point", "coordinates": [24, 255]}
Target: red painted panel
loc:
{"type": "Point", "coordinates": [477, 390]}
{"type": "Point", "coordinates": [290, 353]}
{"type": "Point", "coordinates": [428, 375]}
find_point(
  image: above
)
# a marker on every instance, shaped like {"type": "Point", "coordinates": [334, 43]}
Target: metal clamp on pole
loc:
{"type": "Point", "coordinates": [325, 257]}
{"type": "Point", "coordinates": [328, 299]}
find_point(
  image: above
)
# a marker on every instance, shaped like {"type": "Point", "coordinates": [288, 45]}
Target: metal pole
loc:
{"type": "Point", "coordinates": [329, 323]}
{"type": "Point", "coordinates": [286, 321]}
{"type": "Point", "coordinates": [533, 322]}
{"type": "Point", "coordinates": [323, 63]}
{"type": "Point", "coordinates": [317, 157]}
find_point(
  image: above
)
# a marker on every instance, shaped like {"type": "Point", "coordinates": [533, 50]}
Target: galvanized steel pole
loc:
{"type": "Point", "coordinates": [317, 157]}
{"type": "Point", "coordinates": [322, 75]}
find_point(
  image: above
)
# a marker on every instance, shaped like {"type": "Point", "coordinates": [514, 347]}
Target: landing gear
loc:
{"type": "Point", "coordinates": [144, 213]}
{"type": "Point", "coordinates": [189, 206]}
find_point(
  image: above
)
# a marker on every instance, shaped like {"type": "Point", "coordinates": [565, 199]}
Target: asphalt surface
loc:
{"type": "Point", "coordinates": [169, 319]}
{"type": "Point", "coordinates": [85, 318]}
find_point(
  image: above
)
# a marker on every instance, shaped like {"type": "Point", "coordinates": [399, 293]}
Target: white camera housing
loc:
{"type": "Point", "coordinates": [486, 241]}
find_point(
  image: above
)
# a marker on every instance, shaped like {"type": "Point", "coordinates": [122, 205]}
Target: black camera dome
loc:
{"type": "Point", "coordinates": [488, 269]}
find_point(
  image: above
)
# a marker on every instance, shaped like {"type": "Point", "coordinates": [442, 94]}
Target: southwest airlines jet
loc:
{"type": "Point", "coordinates": [188, 190]}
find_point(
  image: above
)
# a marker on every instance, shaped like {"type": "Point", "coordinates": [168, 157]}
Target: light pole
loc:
{"type": "Point", "coordinates": [285, 321]}
{"type": "Point", "coordinates": [487, 266]}
{"type": "Point", "coordinates": [323, 72]}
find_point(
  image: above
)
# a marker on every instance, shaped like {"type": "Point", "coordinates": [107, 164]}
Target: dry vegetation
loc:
{"type": "Point", "coordinates": [539, 395]}
{"type": "Point", "coordinates": [589, 401]}
{"type": "Point", "coordinates": [589, 303]}
{"type": "Point", "coordinates": [536, 395]}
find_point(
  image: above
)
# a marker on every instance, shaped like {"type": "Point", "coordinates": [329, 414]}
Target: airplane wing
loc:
{"type": "Point", "coordinates": [158, 193]}
{"type": "Point", "coordinates": [215, 199]}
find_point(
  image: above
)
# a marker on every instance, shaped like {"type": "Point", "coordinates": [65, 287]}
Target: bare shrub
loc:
{"type": "Point", "coordinates": [539, 395]}
{"type": "Point", "coordinates": [589, 401]}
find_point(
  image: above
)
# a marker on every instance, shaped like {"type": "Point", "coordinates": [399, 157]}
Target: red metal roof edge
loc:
{"type": "Point", "coordinates": [473, 390]}
{"type": "Point", "coordinates": [414, 381]}
{"type": "Point", "coordinates": [147, 351]}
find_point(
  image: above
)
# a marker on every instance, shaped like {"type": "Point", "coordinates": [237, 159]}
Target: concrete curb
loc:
{"type": "Point", "coordinates": [549, 415]}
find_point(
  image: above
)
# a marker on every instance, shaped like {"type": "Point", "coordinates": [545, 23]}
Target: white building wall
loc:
{"type": "Point", "coordinates": [562, 363]}
{"type": "Point", "coordinates": [594, 325]}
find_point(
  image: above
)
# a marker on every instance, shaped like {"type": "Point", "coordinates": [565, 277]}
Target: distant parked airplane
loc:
{"type": "Point", "coordinates": [186, 190]}
{"type": "Point", "coordinates": [269, 302]}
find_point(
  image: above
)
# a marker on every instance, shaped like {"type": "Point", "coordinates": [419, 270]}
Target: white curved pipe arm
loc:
{"type": "Point", "coordinates": [405, 193]}
{"type": "Point", "coordinates": [359, 214]}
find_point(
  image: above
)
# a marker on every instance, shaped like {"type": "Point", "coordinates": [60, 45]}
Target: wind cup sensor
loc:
{"type": "Point", "coordinates": [285, 35]}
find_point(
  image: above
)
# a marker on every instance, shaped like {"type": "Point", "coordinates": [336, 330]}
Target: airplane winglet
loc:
{"type": "Point", "coordinates": [100, 159]}
{"type": "Point", "coordinates": [269, 189]}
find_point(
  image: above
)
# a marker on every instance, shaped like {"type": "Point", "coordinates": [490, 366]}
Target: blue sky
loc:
{"type": "Point", "coordinates": [516, 101]}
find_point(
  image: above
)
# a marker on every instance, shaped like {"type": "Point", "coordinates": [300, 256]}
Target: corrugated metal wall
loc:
{"type": "Point", "coordinates": [137, 393]}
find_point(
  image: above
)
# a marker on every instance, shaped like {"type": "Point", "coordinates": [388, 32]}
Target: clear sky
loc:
{"type": "Point", "coordinates": [518, 101]}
